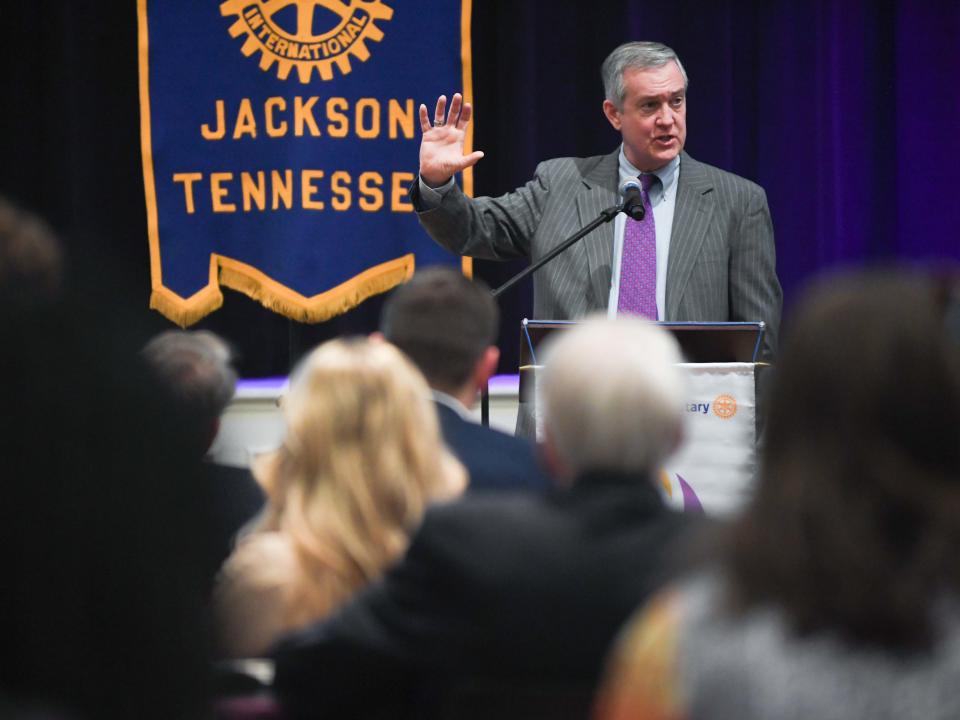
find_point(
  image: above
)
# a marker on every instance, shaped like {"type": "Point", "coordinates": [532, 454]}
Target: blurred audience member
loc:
{"type": "Point", "coordinates": [31, 259]}
{"type": "Point", "coordinates": [521, 589]}
{"type": "Point", "coordinates": [838, 593]}
{"type": "Point", "coordinates": [362, 459]}
{"type": "Point", "coordinates": [447, 325]}
{"type": "Point", "coordinates": [197, 368]}
{"type": "Point", "coordinates": [101, 602]}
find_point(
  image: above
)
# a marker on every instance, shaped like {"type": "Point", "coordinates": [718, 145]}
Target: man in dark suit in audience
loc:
{"type": "Point", "coordinates": [447, 325]}
{"type": "Point", "coordinates": [197, 368]}
{"type": "Point", "coordinates": [519, 592]}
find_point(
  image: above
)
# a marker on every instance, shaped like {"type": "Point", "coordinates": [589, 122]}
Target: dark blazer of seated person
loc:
{"type": "Point", "coordinates": [494, 460]}
{"type": "Point", "coordinates": [509, 587]}
{"type": "Point", "coordinates": [196, 369]}
{"type": "Point", "coordinates": [235, 498]}
{"type": "Point", "coordinates": [519, 588]}
{"type": "Point", "coordinates": [447, 324]}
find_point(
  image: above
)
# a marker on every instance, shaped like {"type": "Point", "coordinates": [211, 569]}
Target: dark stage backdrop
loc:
{"type": "Point", "coordinates": [846, 111]}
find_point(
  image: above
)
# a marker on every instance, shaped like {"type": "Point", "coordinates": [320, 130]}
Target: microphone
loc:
{"type": "Point", "coordinates": [632, 204]}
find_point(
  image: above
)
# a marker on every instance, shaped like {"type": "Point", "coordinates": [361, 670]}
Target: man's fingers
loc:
{"type": "Point", "coordinates": [469, 160]}
{"type": "Point", "coordinates": [441, 107]}
{"type": "Point", "coordinates": [458, 117]}
{"type": "Point", "coordinates": [465, 116]}
{"type": "Point", "coordinates": [424, 118]}
{"type": "Point", "coordinates": [454, 113]}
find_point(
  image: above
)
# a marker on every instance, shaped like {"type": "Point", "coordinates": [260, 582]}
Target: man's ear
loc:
{"type": "Point", "coordinates": [612, 114]}
{"type": "Point", "coordinates": [486, 366]}
{"type": "Point", "coordinates": [377, 336]}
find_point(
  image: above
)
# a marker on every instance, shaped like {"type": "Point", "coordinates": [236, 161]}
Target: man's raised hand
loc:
{"type": "Point", "coordinates": [441, 146]}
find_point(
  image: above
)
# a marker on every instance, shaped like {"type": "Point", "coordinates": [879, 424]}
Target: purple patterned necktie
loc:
{"type": "Point", "coordinates": [638, 264]}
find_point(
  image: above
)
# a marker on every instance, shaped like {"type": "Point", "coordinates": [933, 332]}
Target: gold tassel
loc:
{"type": "Point", "coordinates": [189, 311]}
{"type": "Point", "coordinates": [279, 298]}
{"type": "Point", "coordinates": [321, 307]}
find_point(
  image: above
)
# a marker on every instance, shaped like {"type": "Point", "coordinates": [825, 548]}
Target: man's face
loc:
{"type": "Point", "coordinates": [653, 120]}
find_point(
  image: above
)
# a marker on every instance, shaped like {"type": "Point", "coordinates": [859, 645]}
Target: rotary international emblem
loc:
{"type": "Point", "coordinates": [307, 34]}
{"type": "Point", "coordinates": [724, 406]}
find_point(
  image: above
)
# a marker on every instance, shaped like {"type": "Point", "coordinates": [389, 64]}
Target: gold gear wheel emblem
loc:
{"type": "Point", "coordinates": [266, 23]}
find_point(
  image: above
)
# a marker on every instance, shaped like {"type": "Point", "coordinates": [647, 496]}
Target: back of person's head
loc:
{"type": "Point", "coordinates": [31, 258]}
{"type": "Point", "coordinates": [612, 396]}
{"type": "Point", "coordinates": [361, 460]}
{"type": "Point", "coordinates": [856, 520]}
{"type": "Point", "coordinates": [443, 322]}
{"type": "Point", "coordinates": [197, 368]}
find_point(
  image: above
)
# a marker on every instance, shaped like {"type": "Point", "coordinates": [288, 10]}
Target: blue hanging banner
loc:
{"type": "Point", "coordinates": [279, 138]}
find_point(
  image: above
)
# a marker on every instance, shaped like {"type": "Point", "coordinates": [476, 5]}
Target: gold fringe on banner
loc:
{"type": "Point", "coordinates": [185, 311]}
{"type": "Point", "coordinates": [189, 311]}
{"type": "Point", "coordinates": [275, 296]}
{"type": "Point", "coordinates": [336, 301]}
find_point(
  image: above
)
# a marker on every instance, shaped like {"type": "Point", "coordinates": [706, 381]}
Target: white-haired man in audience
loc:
{"type": "Point", "coordinates": [197, 368]}
{"type": "Point", "coordinates": [502, 596]}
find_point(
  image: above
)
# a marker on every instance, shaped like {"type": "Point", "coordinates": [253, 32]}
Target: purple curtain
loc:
{"type": "Point", "coordinates": [846, 111]}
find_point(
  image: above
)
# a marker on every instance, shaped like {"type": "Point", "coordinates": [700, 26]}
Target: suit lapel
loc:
{"type": "Point", "coordinates": [600, 192]}
{"type": "Point", "coordinates": [691, 218]}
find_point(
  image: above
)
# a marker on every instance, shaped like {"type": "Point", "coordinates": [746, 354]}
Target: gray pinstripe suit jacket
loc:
{"type": "Point", "coordinates": [722, 261]}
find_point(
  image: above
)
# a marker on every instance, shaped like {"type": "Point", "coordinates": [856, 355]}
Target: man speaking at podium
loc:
{"type": "Point", "coordinates": [704, 250]}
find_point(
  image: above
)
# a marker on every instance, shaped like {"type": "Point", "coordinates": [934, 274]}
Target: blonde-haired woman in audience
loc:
{"type": "Point", "coordinates": [362, 459]}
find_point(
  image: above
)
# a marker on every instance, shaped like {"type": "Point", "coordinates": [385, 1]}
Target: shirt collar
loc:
{"type": "Point", "coordinates": [667, 174]}
{"type": "Point", "coordinates": [451, 402]}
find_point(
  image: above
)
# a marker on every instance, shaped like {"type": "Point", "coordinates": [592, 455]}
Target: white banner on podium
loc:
{"type": "Point", "coordinates": [716, 464]}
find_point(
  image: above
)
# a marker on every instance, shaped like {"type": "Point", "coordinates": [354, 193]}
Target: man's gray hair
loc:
{"type": "Point", "coordinates": [613, 395]}
{"type": "Point", "coordinates": [638, 55]}
{"type": "Point", "coordinates": [197, 367]}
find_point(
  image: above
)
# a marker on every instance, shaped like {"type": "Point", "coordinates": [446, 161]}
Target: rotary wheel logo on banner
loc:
{"type": "Point", "coordinates": [724, 406]}
{"type": "Point", "coordinates": [307, 34]}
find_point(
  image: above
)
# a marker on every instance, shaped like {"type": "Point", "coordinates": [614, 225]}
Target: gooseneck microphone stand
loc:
{"type": "Point", "coordinates": [605, 216]}
{"type": "Point", "coordinates": [628, 205]}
